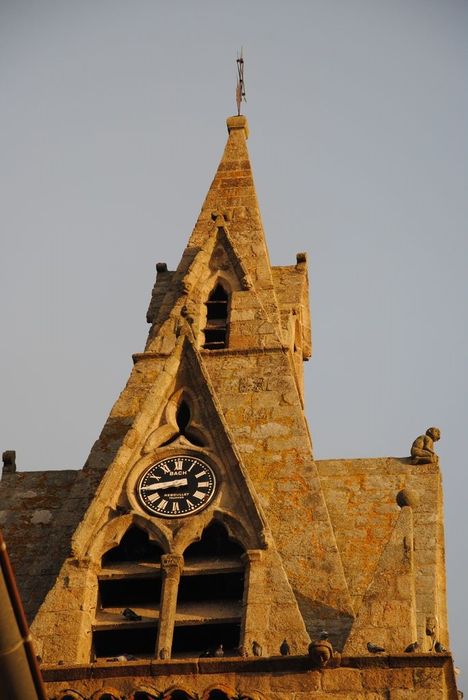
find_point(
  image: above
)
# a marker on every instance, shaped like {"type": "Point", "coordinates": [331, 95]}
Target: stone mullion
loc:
{"type": "Point", "coordinates": [171, 566]}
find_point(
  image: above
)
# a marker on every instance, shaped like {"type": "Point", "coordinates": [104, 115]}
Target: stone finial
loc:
{"type": "Point", "coordinates": [236, 123]}
{"type": "Point", "coordinates": [407, 497]}
{"type": "Point", "coordinates": [9, 462]}
{"type": "Point", "coordinates": [161, 267]}
{"type": "Point", "coordinates": [422, 449]}
{"type": "Point", "coordinates": [301, 258]}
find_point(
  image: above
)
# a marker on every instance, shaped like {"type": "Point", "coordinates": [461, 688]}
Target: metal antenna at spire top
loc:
{"type": "Point", "coordinates": [240, 89]}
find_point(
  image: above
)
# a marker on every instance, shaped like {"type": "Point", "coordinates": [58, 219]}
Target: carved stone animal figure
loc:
{"type": "Point", "coordinates": [321, 651]}
{"type": "Point", "coordinates": [422, 449]}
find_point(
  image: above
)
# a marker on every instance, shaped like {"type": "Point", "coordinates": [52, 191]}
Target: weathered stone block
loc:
{"type": "Point", "coordinates": [341, 679]}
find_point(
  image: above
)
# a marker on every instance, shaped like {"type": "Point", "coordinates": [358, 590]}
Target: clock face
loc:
{"type": "Point", "coordinates": [176, 486]}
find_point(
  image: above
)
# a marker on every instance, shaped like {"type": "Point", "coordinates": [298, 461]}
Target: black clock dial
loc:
{"type": "Point", "coordinates": [176, 486]}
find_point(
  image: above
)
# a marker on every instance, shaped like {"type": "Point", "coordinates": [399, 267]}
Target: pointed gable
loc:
{"type": "Point", "coordinates": [114, 508]}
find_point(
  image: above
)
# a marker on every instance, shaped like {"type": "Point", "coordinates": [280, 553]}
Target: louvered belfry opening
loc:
{"type": "Point", "coordinates": [209, 601]}
{"type": "Point", "coordinates": [216, 319]}
{"type": "Point", "coordinates": [129, 593]}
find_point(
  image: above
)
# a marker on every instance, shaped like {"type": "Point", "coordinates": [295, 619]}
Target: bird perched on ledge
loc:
{"type": "Point", "coordinates": [284, 648]}
{"type": "Point", "coordinates": [130, 614]}
{"type": "Point", "coordinates": [374, 648]}
{"type": "Point", "coordinates": [256, 648]}
{"type": "Point", "coordinates": [411, 648]}
{"type": "Point", "coordinates": [219, 651]}
{"type": "Point", "coordinates": [439, 648]}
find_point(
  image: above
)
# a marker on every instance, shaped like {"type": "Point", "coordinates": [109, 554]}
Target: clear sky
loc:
{"type": "Point", "coordinates": [112, 122]}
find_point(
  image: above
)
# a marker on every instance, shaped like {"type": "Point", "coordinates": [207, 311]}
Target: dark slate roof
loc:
{"type": "Point", "coordinates": [37, 528]}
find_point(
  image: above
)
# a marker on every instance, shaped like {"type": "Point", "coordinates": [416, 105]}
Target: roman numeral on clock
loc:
{"type": "Point", "coordinates": [179, 464]}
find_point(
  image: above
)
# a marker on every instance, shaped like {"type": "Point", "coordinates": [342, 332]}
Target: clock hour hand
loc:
{"type": "Point", "coordinates": [165, 485]}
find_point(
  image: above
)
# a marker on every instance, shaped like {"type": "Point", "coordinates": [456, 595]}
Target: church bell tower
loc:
{"type": "Point", "coordinates": [202, 552]}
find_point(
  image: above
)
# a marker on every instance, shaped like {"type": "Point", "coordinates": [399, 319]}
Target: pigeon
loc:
{"type": "Point", "coordinates": [256, 648]}
{"type": "Point", "coordinates": [219, 651]}
{"type": "Point", "coordinates": [439, 648]}
{"type": "Point", "coordinates": [130, 614]}
{"type": "Point", "coordinates": [374, 648]}
{"type": "Point", "coordinates": [207, 654]}
{"type": "Point", "coordinates": [323, 635]}
{"type": "Point", "coordinates": [284, 648]}
{"type": "Point", "coordinates": [411, 648]}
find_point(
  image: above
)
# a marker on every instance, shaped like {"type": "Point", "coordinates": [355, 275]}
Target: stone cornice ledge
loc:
{"type": "Point", "coordinates": [270, 664]}
{"type": "Point", "coordinates": [139, 356]}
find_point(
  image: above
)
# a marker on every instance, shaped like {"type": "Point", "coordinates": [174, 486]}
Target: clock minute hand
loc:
{"type": "Point", "coordinates": [165, 485]}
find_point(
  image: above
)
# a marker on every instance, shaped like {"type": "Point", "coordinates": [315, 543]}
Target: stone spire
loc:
{"type": "Point", "coordinates": [232, 197]}
{"type": "Point", "coordinates": [231, 210]}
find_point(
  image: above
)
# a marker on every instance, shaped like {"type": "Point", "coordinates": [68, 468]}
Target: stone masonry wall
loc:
{"type": "Point", "coordinates": [424, 677]}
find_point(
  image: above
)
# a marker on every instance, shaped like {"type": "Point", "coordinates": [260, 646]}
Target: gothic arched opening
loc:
{"type": "Point", "coordinates": [216, 318]}
{"type": "Point", "coordinates": [211, 590]}
{"type": "Point", "coordinates": [214, 542]}
{"type": "Point", "coordinates": [129, 593]}
{"type": "Point", "coordinates": [134, 546]}
{"type": "Point", "coordinates": [178, 695]}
